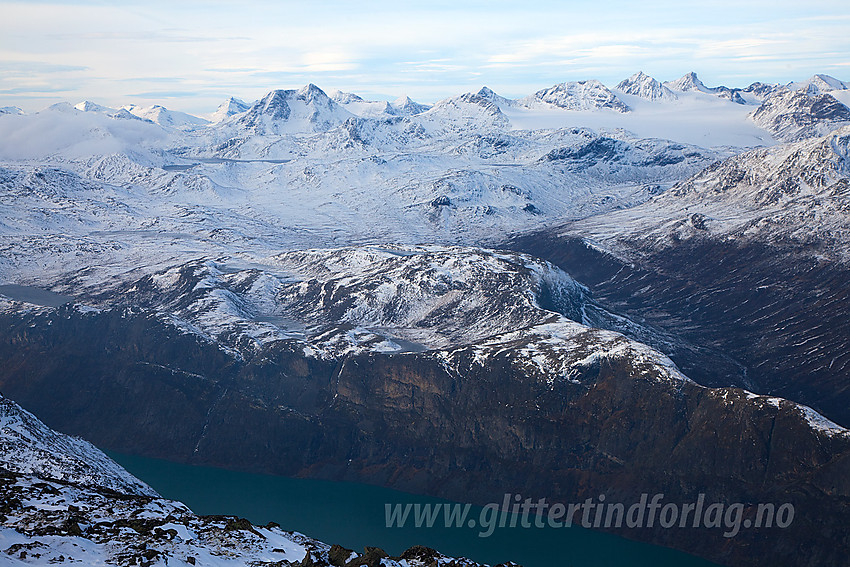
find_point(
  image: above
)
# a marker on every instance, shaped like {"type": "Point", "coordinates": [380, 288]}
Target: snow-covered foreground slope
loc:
{"type": "Point", "coordinates": [64, 501]}
{"type": "Point", "coordinates": [27, 446]}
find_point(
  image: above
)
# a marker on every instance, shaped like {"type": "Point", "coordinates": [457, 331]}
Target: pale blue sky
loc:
{"type": "Point", "coordinates": [191, 55]}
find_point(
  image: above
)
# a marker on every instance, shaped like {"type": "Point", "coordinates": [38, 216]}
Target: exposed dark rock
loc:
{"type": "Point", "coordinates": [339, 555]}
{"type": "Point", "coordinates": [371, 557]}
{"type": "Point", "coordinates": [599, 149]}
{"type": "Point", "coordinates": [420, 553]}
{"type": "Point", "coordinates": [449, 427]}
{"type": "Point", "coordinates": [761, 305]}
{"type": "Point", "coordinates": [698, 221]}
{"type": "Point", "coordinates": [760, 89]}
{"type": "Point", "coordinates": [313, 559]}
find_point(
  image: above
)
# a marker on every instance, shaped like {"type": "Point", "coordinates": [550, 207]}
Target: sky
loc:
{"type": "Point", "coordinates": [192, 55]}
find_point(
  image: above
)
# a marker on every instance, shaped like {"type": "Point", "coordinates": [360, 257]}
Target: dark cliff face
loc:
{"type": "Point", "coordinates": [763, 307]}
{"type": "Point", "coordinates": [441, 422]}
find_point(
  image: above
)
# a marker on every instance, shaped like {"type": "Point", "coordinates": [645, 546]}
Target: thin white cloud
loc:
{"type": "Point", "coordinates": [219, 48]}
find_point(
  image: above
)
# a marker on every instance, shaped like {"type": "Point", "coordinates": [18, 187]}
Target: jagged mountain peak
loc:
{"type": "Point", "coordinates": [272, 101]}
{"type": "Point", "coordinates": [464, 112]}
{"type": "Point", "coordinates": [687, 82]}
{"type": "Point", "coordinates": [308, 109]}
{"type": "Point", "coordinates": [311, 92]}
{"type": "Point", "coordinates": [818, 84]}
{"type": "Point", "coordinates": [642, 85]}
{"type": "Point", "coordinates": [408, 106]}
{"type": "Point", "coordinates": [578, 95]}
{"type": "Point", "coordinates": [639, 77]}
{"type": "Point", "coordinates": [11, 110]}
{"type": "Point", "coordinates": [690, 82]}
{"type": "Point", "coordinates": [490, 106]}
{"type": "Point", "coordinates": [234, 103]}
{"type": "Point", "coordinates": [822, 78]}
{"type": "Point", "coordinates": [760, 90]}
{"type": "Point", "coordinates": [489, 94]}
{"type": "Point", "coordinates": [228, 108]}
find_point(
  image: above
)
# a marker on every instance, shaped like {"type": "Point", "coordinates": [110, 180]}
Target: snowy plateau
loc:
{"type": "Point", "coordinates": [643, 284]}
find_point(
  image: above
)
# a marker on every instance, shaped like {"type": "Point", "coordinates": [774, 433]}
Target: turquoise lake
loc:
{"type": "Point", "coordinates": [353, 515]}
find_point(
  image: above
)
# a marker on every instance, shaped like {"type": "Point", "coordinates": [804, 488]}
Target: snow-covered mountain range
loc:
{"type": "Point", "coordinates": [796, 193]}
{"type": "Point", "coordinates": [300, 168]}
{"type": "Point", "coordinates": [327, 265]}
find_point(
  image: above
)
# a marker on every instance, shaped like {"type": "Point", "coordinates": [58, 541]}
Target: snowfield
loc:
{"type": "Point", "coordinates": [87, 186]}
{"type": "Point", "coordinates": [93, 186]}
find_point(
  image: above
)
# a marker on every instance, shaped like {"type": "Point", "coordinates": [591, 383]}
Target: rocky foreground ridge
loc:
{"type": "Point", "coordinates": [54, 511]}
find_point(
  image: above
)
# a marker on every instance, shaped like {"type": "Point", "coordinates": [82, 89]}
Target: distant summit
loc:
{"type": "Point", "coordinates": [690, 82]}
{"type": "Point", "coordinates": [408, 107]}
{"type": "Point", "coordinates": [489, 94]}
{"type": "Point", "coordinates": [359, 106]}
{"type": "Point", "coordinates": [309, 109]}
{"type": "Point", "coordinates": [158, 114]}
{"type": "Point", "coordinates": [578, 95]}
{"type": "Point", "coordinates": [228, 108]}
{"type": "Point", "coordinates": [819, 84]}
{"type": "Point", "coordinates": [644, 86]}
